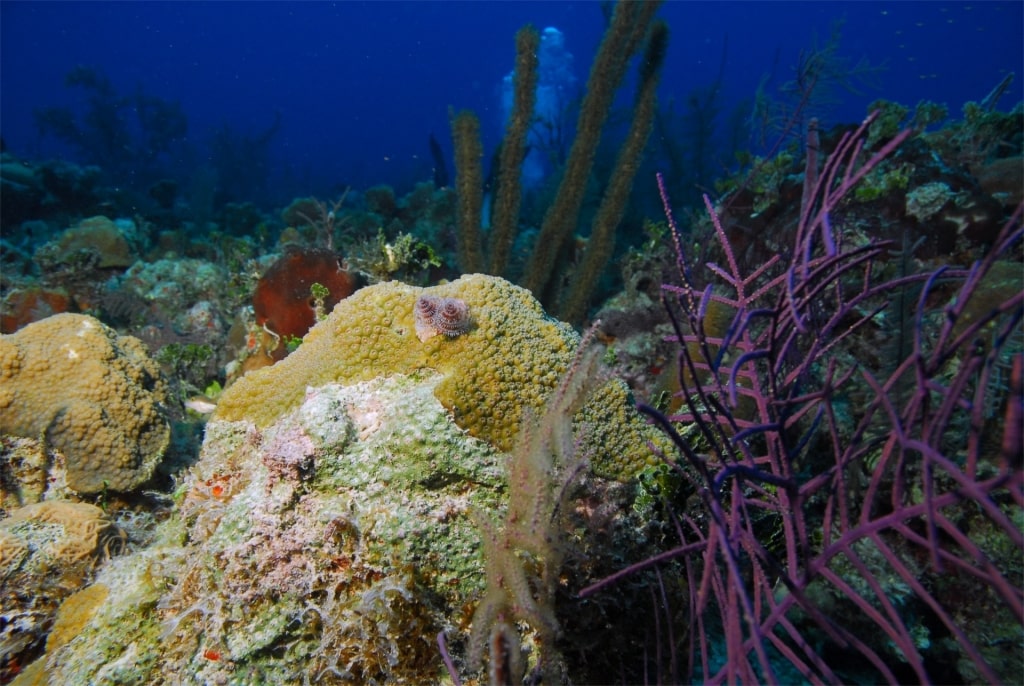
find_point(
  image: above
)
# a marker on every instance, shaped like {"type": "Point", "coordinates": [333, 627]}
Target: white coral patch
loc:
{"type": "Point", "coordinates": [368, 418]}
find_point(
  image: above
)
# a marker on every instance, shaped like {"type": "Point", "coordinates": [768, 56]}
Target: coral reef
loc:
{"type": "Point", "coordinates": [835, 496]}
{"type": "Point", "coordinates": [89, 393]}
{"type": "Point", "coordinates": [332, 544]}
{"type": "Point", "coordinates": [508, 362]}
{"type": "Point", "coordinates": [48, 551]}
{"type": "Point", "coordinates": [859, 500]}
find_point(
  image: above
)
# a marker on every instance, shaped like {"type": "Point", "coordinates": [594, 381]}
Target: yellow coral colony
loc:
{"type": "Point", "coordinates": [510, 359]}
{"type": "Point", "coordinates": [88, 392]}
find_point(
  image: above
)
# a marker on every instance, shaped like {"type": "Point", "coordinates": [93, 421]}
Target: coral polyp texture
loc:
{"type": "Point", "coordinates": [48, 550]}
{"type": "Point", "coordinates": [507, 361]}
{"type": "Point", "coordinates": [92, 395]}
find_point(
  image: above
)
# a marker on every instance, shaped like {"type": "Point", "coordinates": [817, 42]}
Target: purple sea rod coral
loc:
{"type": "Point", "coordinates": [849, 522]}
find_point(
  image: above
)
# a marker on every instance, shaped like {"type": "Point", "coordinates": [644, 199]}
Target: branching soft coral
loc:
{"type": "Point", "coordinates": [830, 543]}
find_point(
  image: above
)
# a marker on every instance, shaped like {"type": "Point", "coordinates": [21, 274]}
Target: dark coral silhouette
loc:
{"type": "Point", "coordinates": [131, 137]}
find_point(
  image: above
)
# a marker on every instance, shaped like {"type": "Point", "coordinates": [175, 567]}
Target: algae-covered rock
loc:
{"type": "Point", "coordinates": [48, 551]}
{"type": "Point", "coordinates": [330, 528]}
{"type": "Point", "coordinates": [334, 543]}
{"type": "Point", "coordinates": [331, 545]}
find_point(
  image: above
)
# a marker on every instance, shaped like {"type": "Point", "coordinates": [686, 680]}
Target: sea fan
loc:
{"type": "Point", "coordinates": [852, 524]}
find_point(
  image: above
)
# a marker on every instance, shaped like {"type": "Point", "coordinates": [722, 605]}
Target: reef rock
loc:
{"type": "Point", "coordinates": [97, 240]}
{"type": "Point", "coordinates": [332, 544]}
{"type": "Point", "coordinates": [329, 530]}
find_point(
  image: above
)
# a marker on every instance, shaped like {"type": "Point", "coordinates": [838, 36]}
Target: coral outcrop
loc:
{"type": "Point", "coordinates": [333, 544]}
{"type": "Point", "coordinates": [48, 551]}
{"type": "Point", "coordinates": [92, 395]}
{"type": "Point", "coordinates": [509, 361]}
{"type": "Point", "coordinates": [98, 239]}
{"type": "Point", "coordinates": [330, 545]}
{"type": "Point", "coordinates": [331, 527]}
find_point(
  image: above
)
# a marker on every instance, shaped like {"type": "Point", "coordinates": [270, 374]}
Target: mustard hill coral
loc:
{"type": "Point", "coordinates": [89, 393]}
{"type": "Point", "coordinates": [508, 362]}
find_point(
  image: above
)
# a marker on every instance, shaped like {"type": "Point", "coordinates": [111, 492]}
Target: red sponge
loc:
{"type": "Point", "coordinates": [283, 302]}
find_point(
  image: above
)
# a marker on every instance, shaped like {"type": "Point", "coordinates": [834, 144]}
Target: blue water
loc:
{"type": "Point", "coordinates": [359, 87]}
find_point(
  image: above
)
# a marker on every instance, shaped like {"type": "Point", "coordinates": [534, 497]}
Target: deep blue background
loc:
{"type": "Point", "coordinates": [361, 85]}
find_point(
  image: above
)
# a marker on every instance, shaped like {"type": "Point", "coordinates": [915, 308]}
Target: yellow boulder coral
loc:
{"type": "Point", "coordinates": [510, 359]}
{"type": "Point", "coordinates": [96, 396]}
{"type": "Point", "coordinates": [97, 236]}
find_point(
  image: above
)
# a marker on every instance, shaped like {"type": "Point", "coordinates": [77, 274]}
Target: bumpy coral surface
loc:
{"type": "Point", "coordinates": [509, 361]}
{"type": "Point", "coordinates": [105, 239]}
{"type": "Point", "coordinates": [93, 395]}
{"type": "Point", "coordinates": [47, 551]}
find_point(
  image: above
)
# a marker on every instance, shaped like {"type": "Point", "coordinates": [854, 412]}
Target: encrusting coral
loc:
{"type": "Point", "coordinates": [330, 546]}
{"type": "Point", "coordinates": [508, 361]}
{"type": "Point", "coordinates": [48, 551]}
{"type": "Point", "coordinates": [89, 393]}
